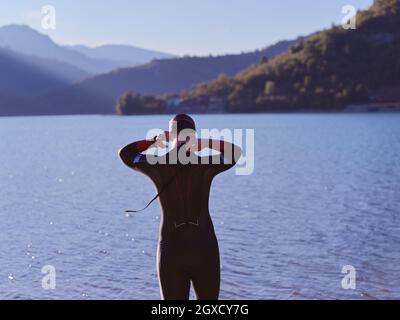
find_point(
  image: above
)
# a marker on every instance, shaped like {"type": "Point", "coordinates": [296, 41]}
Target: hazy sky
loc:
{"type": "Point", "coordinates": [180, 26]}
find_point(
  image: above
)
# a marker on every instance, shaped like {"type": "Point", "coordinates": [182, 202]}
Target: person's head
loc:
{"type": "Point", "coordinates": [181, 128]}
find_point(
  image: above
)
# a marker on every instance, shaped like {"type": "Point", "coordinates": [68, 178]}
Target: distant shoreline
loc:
{"type": "Point", "coordinates": [356, 108]}
{"type": "Point", "coordinates": [374, 107]}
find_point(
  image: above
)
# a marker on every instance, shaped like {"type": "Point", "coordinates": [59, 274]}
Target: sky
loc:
{"type": "Point", "coordinates": [181, 27]}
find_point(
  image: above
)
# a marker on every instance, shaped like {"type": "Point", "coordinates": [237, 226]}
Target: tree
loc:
{"type": "Point", "coordinates": [134, 103]}
{"type": "Point", "coordinates": [264, 59]}
{"type": "Point", "coordinates": [329, 69]}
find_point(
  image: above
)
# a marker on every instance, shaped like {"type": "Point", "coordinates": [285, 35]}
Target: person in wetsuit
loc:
{"type": "Point", "coordinates": [187, 247]}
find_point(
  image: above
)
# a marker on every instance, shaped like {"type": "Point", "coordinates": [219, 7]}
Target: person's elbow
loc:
{"type": "Point", "coordinates": [237, 153]}
{"type": "Point", "coordinates": [232, 154]}
{"type": "Point", "coordinates": [124, 155]}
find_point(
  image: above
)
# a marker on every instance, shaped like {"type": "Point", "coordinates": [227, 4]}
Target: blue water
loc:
{"type": "Point", "coordinates": [325, 193]}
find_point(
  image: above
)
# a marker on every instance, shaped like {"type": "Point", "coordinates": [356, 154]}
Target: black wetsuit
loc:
{"type": "Point", "coordinates": [188, 248]}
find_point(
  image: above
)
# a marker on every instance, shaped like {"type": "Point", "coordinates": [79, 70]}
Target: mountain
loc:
{"type": "Point", "coordinates": [13, 106]}
{"type": "Point", "coordinates": [60, 70]}
{"type": "Point", "coordinates": [99, 94]}
{"type": "Point", "coordinates": [26, 40]}
{"type": "Point", "coordinates": [122, 55]}
{"type": "Point", "coordinates": [326, 71]}
{"type": "Point", "coordinates": [24, 76]}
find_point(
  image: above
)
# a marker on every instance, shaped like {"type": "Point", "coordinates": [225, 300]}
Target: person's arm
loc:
{"type": "Point", "coordinates": [131, 154]}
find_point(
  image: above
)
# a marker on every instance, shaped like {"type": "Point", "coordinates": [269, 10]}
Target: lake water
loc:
{"type": "Point", "coordinates": [325, 193]}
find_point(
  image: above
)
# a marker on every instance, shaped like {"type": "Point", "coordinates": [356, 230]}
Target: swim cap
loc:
{"type": "Point", "coordinates": [180, 122]}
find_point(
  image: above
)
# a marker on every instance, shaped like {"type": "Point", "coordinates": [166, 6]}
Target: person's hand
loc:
{"type": "Point", "coordinates": [161, 140]}
{"type": "Point", "coordinates": [192, 144]}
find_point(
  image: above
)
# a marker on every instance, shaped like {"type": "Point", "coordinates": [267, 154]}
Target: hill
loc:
{"type": "Point", "coordinates": [122, 55]}
{"type": "Point", "coordinates": [99, 94]}
{"type": "Point", "coordinates": [23, 76]}
{"type": "Point", "coordinates": [101, 59]}
{"type": "Point", "coordinates": [25, 40]}
{"type": "Point", "coordinates": [327, 71]}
